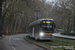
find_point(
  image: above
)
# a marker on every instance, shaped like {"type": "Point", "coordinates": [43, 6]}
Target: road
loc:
{"type": "Point", "coordinates": [16, 42]}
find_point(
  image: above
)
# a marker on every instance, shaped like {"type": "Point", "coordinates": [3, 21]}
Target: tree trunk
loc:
{"type": "Point", "coordinates": [18, 26]}
{"type": "Point", "coordinates": [11, 25]}
{"type": "Point", "coordinates": [68, 26]}
{"type": "Point", "coordinates": [63, 24]}
{"type": "Point", "coordinates": [1, 18]}
{"type": "Point", "coordinates": [15, 27]}
{"type": "Point", "coordinates": [1, 24]}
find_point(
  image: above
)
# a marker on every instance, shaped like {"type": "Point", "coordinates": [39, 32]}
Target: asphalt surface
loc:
{"type": "Point", "coordinates": [16, 42]}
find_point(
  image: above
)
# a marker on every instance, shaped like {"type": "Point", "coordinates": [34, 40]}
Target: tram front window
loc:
{"type": "Point", "coordinates": [48, 28]}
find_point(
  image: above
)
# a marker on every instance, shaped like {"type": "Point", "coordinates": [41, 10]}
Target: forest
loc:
{"type": "Point", "coordinates": [18, 14]}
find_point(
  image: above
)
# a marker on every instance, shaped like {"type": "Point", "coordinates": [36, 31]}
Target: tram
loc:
{"type": "Point", "coordinates": [42, 29]}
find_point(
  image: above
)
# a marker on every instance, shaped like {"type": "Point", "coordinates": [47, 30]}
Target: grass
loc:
{"type": "Point", "coordinates": [56, 42]}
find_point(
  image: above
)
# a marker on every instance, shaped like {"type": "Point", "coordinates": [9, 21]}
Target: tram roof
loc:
{"type": "Point", "coordinates": [39, 20]}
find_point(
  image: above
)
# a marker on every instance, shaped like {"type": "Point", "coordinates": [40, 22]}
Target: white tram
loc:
{"type": "Point", "coordinates": [42, 29]}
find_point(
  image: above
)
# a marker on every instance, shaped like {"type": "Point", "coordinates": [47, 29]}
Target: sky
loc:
{"type": "Point", "coordinates": [50, 0]}
{"type": "Point", "coordinates": [53, 2]}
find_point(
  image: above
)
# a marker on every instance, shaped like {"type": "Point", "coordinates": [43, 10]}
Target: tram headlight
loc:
{"type": "Point", "coordinates": [52, 34]}
{"type": "Point", "coordinates": [41, 34]}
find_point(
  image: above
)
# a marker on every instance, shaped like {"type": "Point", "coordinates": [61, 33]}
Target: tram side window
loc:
{"type": "Point", "coordinates": [31, 29]}
{"type": "Point", "coordinates": [39, 28]}
{"type": "Point", "coordinates": [36, 28]}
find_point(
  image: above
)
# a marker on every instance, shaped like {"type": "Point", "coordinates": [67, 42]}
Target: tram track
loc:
{"type": "Point", "coordinates": [56, 42]}
{"type": "Point", "coordinates": [63, 42]}
{"type": "Point", "coordinates": [66, 41]}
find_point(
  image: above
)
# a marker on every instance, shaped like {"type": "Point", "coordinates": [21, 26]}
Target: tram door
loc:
{"type": "Point", "coordinates": [33, 32]}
